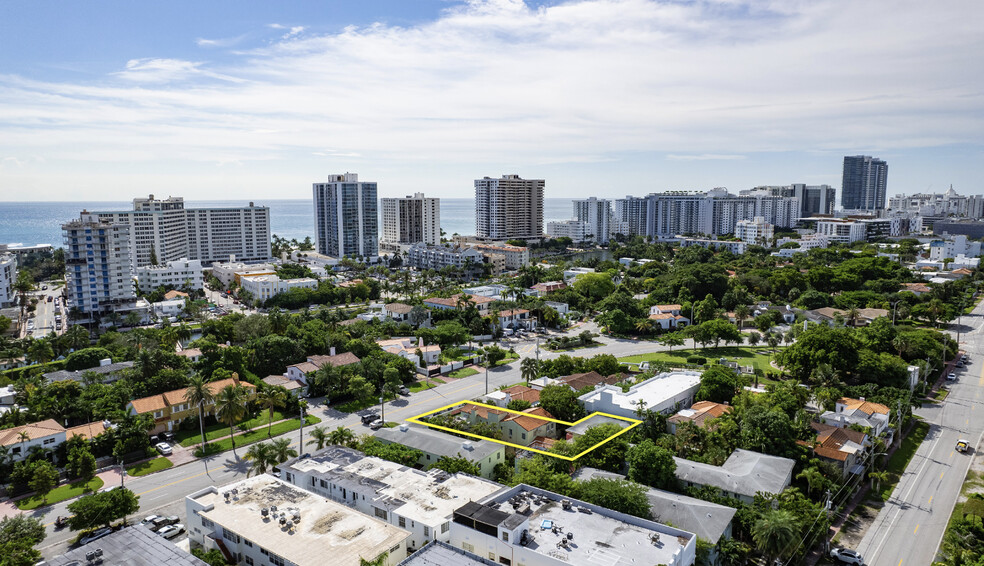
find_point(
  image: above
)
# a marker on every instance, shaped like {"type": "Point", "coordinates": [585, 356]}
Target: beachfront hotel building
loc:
{"type": "Point", "coordinates": [411, 220]}
{"type": "Point", "coordinates": [509, 207]}
{"type": "Point", "coordinates": [8, 276]}
{"type": "Point", "coordinates": [164, 230]}
{"type": "Point", "coordinates": [99, 268]}
{"type": "Point", "coordinates": [345, 217]}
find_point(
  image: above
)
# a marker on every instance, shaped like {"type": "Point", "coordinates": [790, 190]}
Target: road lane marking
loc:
{"type": "Point", "coordinates": [941, 474]}
{"type": "Point", "coordinates": [900, 562]}
{"type": "Point", "coordinates": [930, 501]}
{"type": "Point", "coordinates": [914, 532]}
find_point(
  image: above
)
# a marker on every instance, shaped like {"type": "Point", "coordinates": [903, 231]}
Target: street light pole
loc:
{"type": "Point", "coordinates": [382, 409]}
{"type": "Point", "coordinates": [301, 451]}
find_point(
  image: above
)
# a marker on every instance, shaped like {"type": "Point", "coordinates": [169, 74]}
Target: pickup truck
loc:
{"type": "Point", "coordinates": [963, 445]}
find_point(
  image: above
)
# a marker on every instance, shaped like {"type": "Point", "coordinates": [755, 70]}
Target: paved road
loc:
{"type": "Point", "coordinates": [910, 526]}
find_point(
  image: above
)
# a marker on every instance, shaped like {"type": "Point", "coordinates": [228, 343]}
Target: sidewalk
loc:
{"type": "Point", "coordinates": [8, 507]}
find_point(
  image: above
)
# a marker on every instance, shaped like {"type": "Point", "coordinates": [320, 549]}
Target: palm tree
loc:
{"type": "Point", "coordinates": [230, 408]}
{"type": "Point", "coordinates": [341, 436]}
{"type": "Point", "coordinates": [644, 325]}
{"type": "Point", "coordinates": [853, 314]}
{"type": "Point", "coordinates": [281, 450]}
{"type": "Point", "coordinates": [877, 478]}
{"type": "Point", "coordinates": [378, 561]}
{"type": "Point", "coordinates": [774, 532]}
{"type": "Point", "coordinates": [741, 313]}
{"type": "Point", "coordinates": [76, 337]}
{"type": "Point", "coordinates": [529, 369]}
{"type": "Point", "coordinates": [773, 339]}
{"type": "Point", "coordinates": [199, 393]}
{"type": "Point", "coordinates": [813, 477]}
{"type": "Point", "coordinates": [261, 455]}
{"type": "Point", "coordinates": [271, 398]}
{"type": "Point", "coordinates": [319, 436]}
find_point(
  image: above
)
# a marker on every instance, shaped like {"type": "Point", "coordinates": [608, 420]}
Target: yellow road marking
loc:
{"type": "Point", "coordinates": [900, 562]}
{"type": "Point", "coordinates": [941, 475]}
{"type": "Point", "coordinates": [930, 501]}
{"type": "Point", "coordinates": [917, 530]}
{"type": "Point", "coordinates": [951, 453]}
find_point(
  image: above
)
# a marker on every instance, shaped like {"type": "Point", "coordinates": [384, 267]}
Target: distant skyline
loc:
{"type": "Point", "coordinates": [253, 100]}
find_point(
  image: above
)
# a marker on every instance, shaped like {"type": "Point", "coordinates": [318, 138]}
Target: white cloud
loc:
{"type": "Point", "coordinates": [499, 83]}
{"type": "Point", "coordinates": [221, 42]}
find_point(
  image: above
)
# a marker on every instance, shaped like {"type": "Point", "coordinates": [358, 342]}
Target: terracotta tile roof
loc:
{"type": "Point", "coordinates": [831, 441]}
{"type": "Point", "coordinates": [174, 295]}
{"type": "Point", "coordinates": [431, 348]}
{"type": "Point", "coordinates": [579, 381]}
{"type": "Point", "coordinates": [963, 271]}
{"type": "Point", "coordinates": [11, 436]}
{"type": "Point", "coordinates": [703, 411]}
{"type": "Point", "coordinates": [281, 381]}
{"type": "Point", "coordinates": [480, 412]}
{"type": "Point", "coordinates": [338, 360]}
{"type": "Point", "coordinates": [452, 301]}
{"type": "Point", "coordinates": [917, 287]}
{"type": "Point", "coordinates": [305, 367]}
{"type": "Point", "coordinates": [523, 393]}
{"type": "Point", "coordinates": [351, 283]}
{"type": "Point", "coordinates": [512, 312]}
{"type": "Point", "coordinates": [87, 431]}
{"type": "Point", "coordinates": [176, 397]}
{"type": "Point", "coordinates": [528, 421]}
{"type": "Point", "coordinates": [661, 316]}
{"type": "Point", "coordinates": [549, 286]}
{"type": "Point", "coordinates": [190, 353]}
{"type": "Point", "coordinates": [866, 407]}
{"type": "Point", "coordinates": [668, 307]}
{"type": "Point", "coordinates": [543, 442]}
{"type": "Point", "coordinates": [148, 404]}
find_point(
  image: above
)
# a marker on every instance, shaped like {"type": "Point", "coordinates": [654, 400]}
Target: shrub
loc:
{"type": "Point", "coordinates": [699, 360]}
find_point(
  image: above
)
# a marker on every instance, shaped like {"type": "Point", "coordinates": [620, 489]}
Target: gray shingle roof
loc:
{"type": "Point", "coordinates": [437, 553]}
{"type": "Point", "coordinates": [707, 520]}
{"type": "Point", "coordinates": [744, 472]}
{"type": "Point", "coordinates": [438, 443]}
{"type": "Point", "coordinates": [62, 375]}
{"type": "Point", "coordinates": [132, 546]}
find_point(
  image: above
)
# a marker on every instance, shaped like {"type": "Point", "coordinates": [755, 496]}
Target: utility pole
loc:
{"type": "Point", "coordinates": [382, 409]}
{"type": "Point", "coordinates": [301, 451]}
{"type": "Point", "coordinates": [486, 376]}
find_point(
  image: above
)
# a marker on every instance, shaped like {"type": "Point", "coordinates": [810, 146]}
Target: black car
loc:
{"type": "Point", "coordinates": [366, 419]}
{"type": "Point", "coordinates": [165, 437]}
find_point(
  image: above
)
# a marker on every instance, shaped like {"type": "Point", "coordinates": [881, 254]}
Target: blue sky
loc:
{"type": "Point", "coordinates": [253, 100]}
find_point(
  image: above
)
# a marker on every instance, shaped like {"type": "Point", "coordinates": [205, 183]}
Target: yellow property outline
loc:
{"type": "Point", "coordinates": [416, 419]}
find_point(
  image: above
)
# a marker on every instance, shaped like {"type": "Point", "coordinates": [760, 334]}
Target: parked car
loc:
{"type": "Point", "coordinates": [164, 448]}
{"type": "Point", "coordinates": [404, 390]}
{"type": "Point", "coordinates": [160, 522]}
{"type": "Point", "coordinates": [376, 424]}
{"type": "Point", "coordinates": [148, 521]}
{"type": "Point", "coordinates": [95, 535]}
{"type": "Point", "coordinates": [171, 531]}
{"type": "Point", "coordinates": [166, 437]}
{"type": "Point", "coordinates": [847, 556]}
{"type": "Point", "coordinates": [951, 377]}
{"type": "Point", "coordinates": [366, 419]}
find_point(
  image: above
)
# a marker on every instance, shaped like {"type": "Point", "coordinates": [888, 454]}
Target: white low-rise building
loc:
{"type": "Point", "coordinates": [664, 393]}
{"type": "Point", "coordinates": [264, 520]}
{"type": "Point", "coordinates": [19, 440]}
{"type": "Point", "coordinates": [434, 444]}
{"type": "Point", "coordinates": [756, 231]}
{"type": "Point", "coordinates": [841, 231]}
{"type": "Point", "coordinates": [263, 287]}
{"type": "Point", "coordinates": [574, 272]}
{"type": "Point", "coordinates": [952, 247]}
{"type": "Point", "coordinates": [734, 247]}
{"type": "Point", "coordinates": [169, 308]}
{"type": "Point", "coordinates": [573, 229]}
{"type": "Point", "coordinates": [529, 526]}
{"type": "Point", "coordinates": [516, 257]}
{"type": "Point", "coordinates": [178, 274]}
{"type": "Point", "coordinates": [231, 272]}
{"type": "Point", "coordinates": [421, 502]}
{"type": "Point", "coordinates": [743, 475]}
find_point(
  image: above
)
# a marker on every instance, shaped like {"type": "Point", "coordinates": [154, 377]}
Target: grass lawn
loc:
{"type": "Point", "coordinates": [508, 359]}
{"type": "Point", "coordinates": [62, 493]}
{"type": "Point", "coordinates": [463, 372]}
{"type": "Point", "coordinates": [744, 355]}
{"type": "Point", "coordinates": [901, 458]}
{"type": "Point", "coordinates": [356, 405]}
{"type": "Point", "coordinates": [257, 435]}
{"type": "Point", "coordinates": [552, 348]}
{"type": "Point", "coordinates": [941, 394]}
{"type": "Point", "coordinates": [427, 384]}
{"type": "Point", "coordinates": [218, 430]}
{"type": "Point", "coordinates": [149, 467]}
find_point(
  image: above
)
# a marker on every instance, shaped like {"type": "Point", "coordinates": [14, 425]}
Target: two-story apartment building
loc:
{"type": "Point", "coordinates": [516, 428]}
{"type": "Point", "coordinates": [460, 302]}
{"type": "Point", "coordinates": [420, 502]}
{"type": "Point", "coordinates": [300, 372]}
{"type": "Point", "coordinates": [867, 414]}
{"type": "Point", "coordinates": [172, 407]}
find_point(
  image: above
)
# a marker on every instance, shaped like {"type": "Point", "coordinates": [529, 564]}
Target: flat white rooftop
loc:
{"type": "Point", "coordinates": [653, 391]}
{"type": "Point", "coordinates": [430, 497]}
{"type": "Point", "coordinates": [327, 532]}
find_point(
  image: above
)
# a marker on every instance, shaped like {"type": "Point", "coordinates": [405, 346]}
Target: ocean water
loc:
{"type": "Point", "coordinates": [40, 222]}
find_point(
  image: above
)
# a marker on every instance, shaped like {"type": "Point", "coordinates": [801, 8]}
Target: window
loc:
{"type": "Point", "coordinates": [445, 527]}
{"type": "Point", "coordinates": [276, 560]}
{"type": "Point", "coordinates": [264, 552]}
{"type": "Point", "coordinates": [249, 561]}
{"type": "Point", "coordinates": [427, 531]}
{"type": "Point", "coordinates": [505, 536]}
{"type": "Point", "coordinates": [49, 441]}
{"type": "Point", "coordinates": [381, 513]}
{"type": "Point", "coordinates": [468, 547]}
{"type": "Point", "coordinates": [504, 560]}
{"type": "Point", "coordinates": [206, 523]}
{"type": "Point", "coordinates": [403, 522]}
{"type": "Point", "coordinates": [491, 556]}
{"type": "Point", "coordinates": [247, 542]}
{"type": "Point", "coordinates": [524, 436]}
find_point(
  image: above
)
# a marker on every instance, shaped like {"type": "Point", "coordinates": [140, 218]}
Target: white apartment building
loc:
{"type": "Point", "coordinates": [939, 204]}
{"type": "Point", "coordinates": [8, 276]}
{"type": "Point", "coordinates": [98, 266]}
{"type": "Point", "coordinates": [516, 256]}
{"type": "Point", "coordinates": [756, 231]}
{"type": "Point", "coordinates": [529, 526]}
{"type": "Point", "coordinates": [346, 222]}
{"type": "Point", "coordinates": [663, 393]}
{"type": "Point", "coordinates": [424, 256]}
{"type": "Point", "coordinates": [263, 287]}
{"type": "Point", "coordinates": [421, 502]}
{"type": "Point", "coordinates": [232, 271]}
{"type": "Point", "coordinates": [813, 199]}
{"type": "Point", "coordinates": [806, 243]}
{"type": "Point", "coordinates": [169, 307]}
{"type": "Point", "coordinates": [597, 216]}
{"type": "Point", "coordinates": [952, 247]}
{"type": "Point", "coordinates": [736, 248]}
{"type": "Point", "coordinates": [176, 274]}
{"type": "Point", "coordinates": [576, 230]}
{"type": "Point", "coordinates": [632, 216]}
{"type": "Point", "coordinates": [411, 219]}
{"type": "Point", "coordinates": [170, 231]}
{"type": "Point", "coordinates": [509, 207]}
{"type": "Point", "coordinates": [262, 521]}
{"type": "Point", "coordinates": [46, 434]}
{"type": "Point", "coordinates": [841, 231]}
